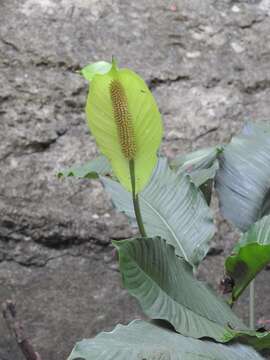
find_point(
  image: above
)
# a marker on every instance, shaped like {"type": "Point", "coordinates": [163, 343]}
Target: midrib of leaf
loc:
{"type": "Point", "coordinates": [168, 227]}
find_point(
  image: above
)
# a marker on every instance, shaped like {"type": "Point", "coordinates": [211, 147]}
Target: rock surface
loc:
{"type": "Point", "coordinates": [207, 63]}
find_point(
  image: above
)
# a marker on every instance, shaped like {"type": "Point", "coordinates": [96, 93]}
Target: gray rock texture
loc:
{"type": "Point", "coordinates": [208, 65]}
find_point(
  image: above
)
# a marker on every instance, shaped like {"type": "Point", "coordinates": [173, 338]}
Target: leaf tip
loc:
{"type": "Point", "coordinates": [114, 67]}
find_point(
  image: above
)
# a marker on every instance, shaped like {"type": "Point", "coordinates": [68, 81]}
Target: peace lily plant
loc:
{"type": "Point", "coordinates": [170, 202]}
{"type": "Point", "coordinates": [124, 119]}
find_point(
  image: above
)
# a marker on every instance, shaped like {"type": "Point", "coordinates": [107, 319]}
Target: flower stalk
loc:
{"type": "Point", "coordinates": [135, 199]}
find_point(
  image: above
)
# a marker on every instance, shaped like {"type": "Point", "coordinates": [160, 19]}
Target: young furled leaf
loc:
{"type": "Point", "coordinates": [250, 255]}
{"type": "Point", "coordinates": [125, 121]}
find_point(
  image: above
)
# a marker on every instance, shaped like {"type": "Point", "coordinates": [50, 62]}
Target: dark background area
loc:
{"type": "Point", "coordinates": [208, 65]}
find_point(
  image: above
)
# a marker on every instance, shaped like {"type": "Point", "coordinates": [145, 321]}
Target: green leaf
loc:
{"type": "Point", "coordinates": [250, 256]}
{"type": "Point", "coordinates": [100, 67]}
{"type": "Point", "coordinates": [141, 340]}
{"type": "Point", "coordinates": [173, 208]}
{"type": "Point", "coordinates": [201, 164]}
{"type": "Point", "coordinates": [165, 287]}
{"type": "Point", "coordinates": [91, 170]}
{"type": "Point", "coordinates": [124, 119]}
{"type": "Point", "coordinates": [200, 177]}
{"type": "Point", "coordinates": [258, 340]}
{"type": "Point", "coordinates": [203, 179]}
{"type": "Point", "coordinates": [243, 181]}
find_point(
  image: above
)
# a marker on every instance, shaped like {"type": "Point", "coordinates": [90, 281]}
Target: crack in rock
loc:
{"type": "Point", "coordinates": [155, 82]}
{"type": "Point", "coordinates": [258, 86]}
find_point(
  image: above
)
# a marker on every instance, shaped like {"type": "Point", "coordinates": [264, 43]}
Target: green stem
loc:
{"type": "Point", "coordinates": [252, 305]}
{"type": "Point", "coordinates": [135, 199]}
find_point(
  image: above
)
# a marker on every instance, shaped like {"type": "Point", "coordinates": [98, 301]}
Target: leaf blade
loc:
{"type": "Point", "coordinates": [151, 341]}
{"type": "Point", "coordinates": [91, 170]}
{"type": "Point", "coordinates": [242, 181]}
{"type": "Point", "coordinates": [166, 289]}
{"type": "Point", "coordinates": [172, 208]}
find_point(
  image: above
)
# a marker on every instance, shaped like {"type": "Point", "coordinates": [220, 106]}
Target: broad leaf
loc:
{"type": "Point", "coordinates": [148, 341]}
{"type": "Point", "coordinates": [243, 181]}
{"type": "Point", "coordinates": [173, 208]}
{"type": "Point", "coordinates": [125, 121]}
{"type": "Point", "coordinates": [166, 289]}
{"type": "Point", "coordinates": [250, 256]}
{"type": "Point", "coordinates": [91, 170]}
{"type": "Point", "coordinates": [100, 67]}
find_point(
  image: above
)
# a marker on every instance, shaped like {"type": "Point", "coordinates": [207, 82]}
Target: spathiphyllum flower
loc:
{"type": "Point", "coordinates": [125, 121]}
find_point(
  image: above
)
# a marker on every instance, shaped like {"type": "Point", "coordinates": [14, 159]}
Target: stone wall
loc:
{"type": "Point", "coordinates": [208, 65]}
